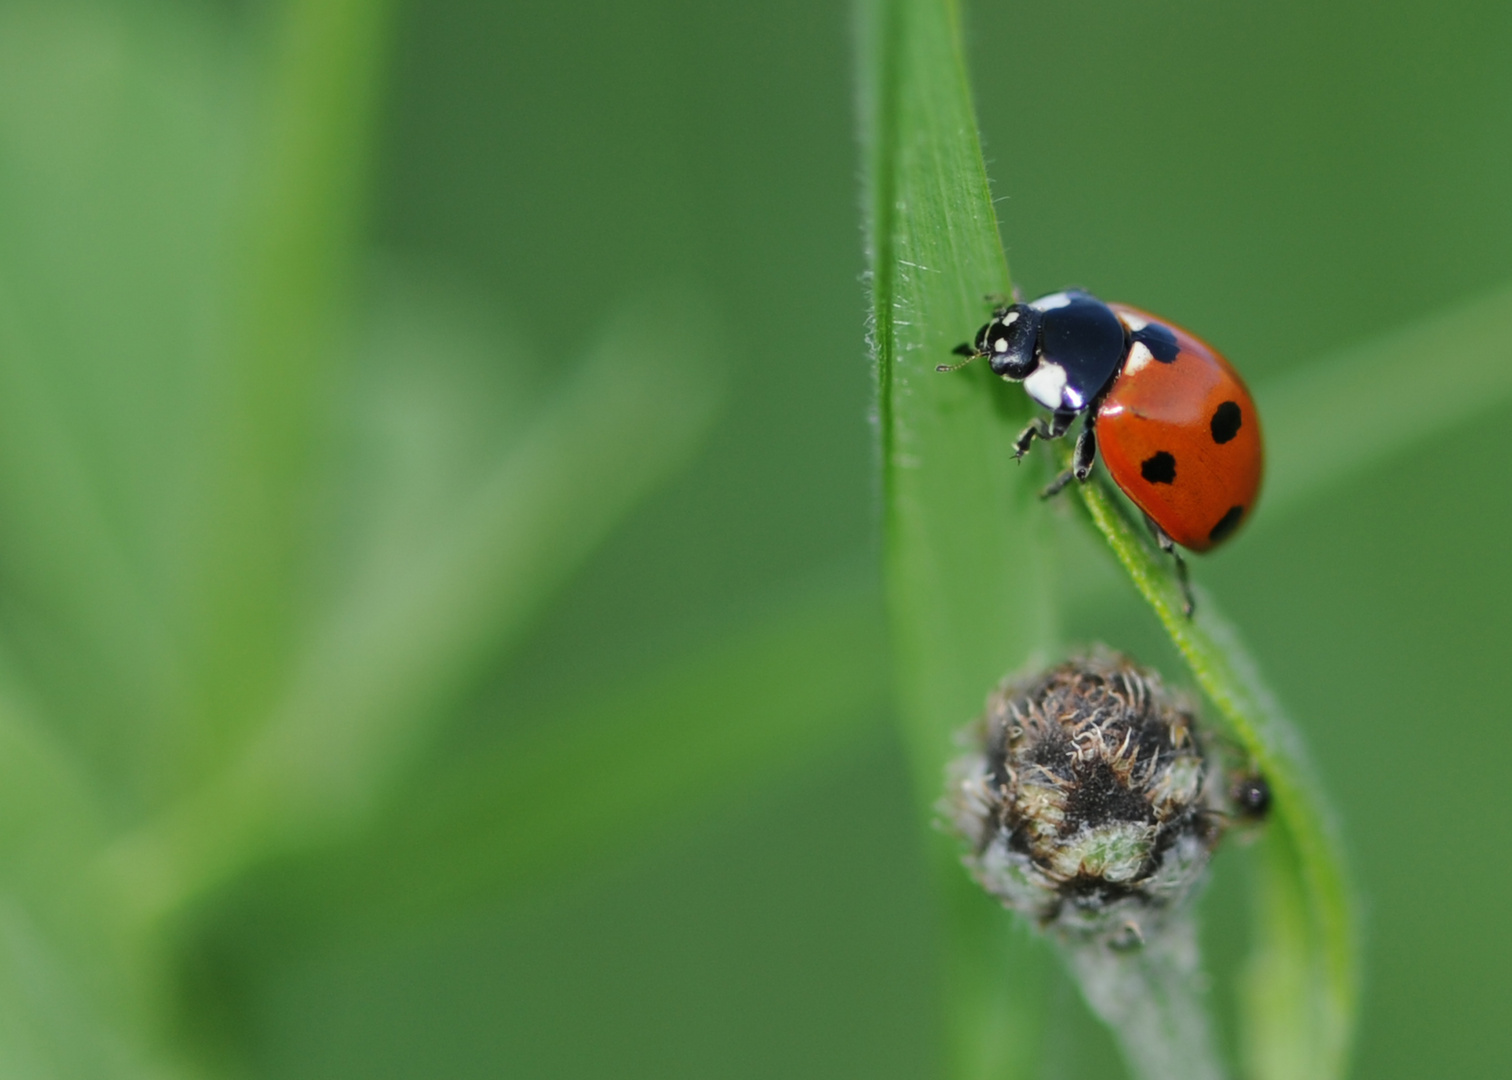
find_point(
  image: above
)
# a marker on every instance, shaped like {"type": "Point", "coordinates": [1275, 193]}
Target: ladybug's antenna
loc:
{"type": "Point", "coordinates": [963, 349]}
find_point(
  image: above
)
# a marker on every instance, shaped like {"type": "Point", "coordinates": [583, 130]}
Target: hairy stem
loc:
{"type": "Point", "coordinates": [1152, 999]}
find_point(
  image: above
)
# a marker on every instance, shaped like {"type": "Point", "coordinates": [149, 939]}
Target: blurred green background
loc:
{"type": "Point", "coordinates": [1284, 180]}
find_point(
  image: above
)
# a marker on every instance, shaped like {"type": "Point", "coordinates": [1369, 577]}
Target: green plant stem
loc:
{"type": "Point", "coordinates": [1150, 998]}
{"type": "Point", "coordinates": [1305, 937]}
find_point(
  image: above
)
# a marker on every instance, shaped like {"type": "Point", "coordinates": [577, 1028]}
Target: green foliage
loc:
{"type": "Point", "coordinates": [200, 680]}
{"type": "Point", "coordinates": [272, 517]}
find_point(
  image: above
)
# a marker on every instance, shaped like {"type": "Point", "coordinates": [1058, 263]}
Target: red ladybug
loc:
{"type": "Point", "coordinates": [1179, 432]}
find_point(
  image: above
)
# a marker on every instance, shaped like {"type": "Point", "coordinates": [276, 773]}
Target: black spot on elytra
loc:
{"type": "Point", "coordinates": [1159, 468]}
{"type": "Point", "coordinates": [1226, 524]}
{"type": "Point", "coordinates": [1160, 341]}
{"type": "Point", "coordinates": [1226, 421]}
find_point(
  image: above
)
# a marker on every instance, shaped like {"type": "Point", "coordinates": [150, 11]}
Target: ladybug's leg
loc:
{"type": "Point", "coordinates": [1060, 423]}
{"type": "Point", "coordinates": [1037, 429]}
{"type": "Point", "coordinates": [1167, 545]}
{"type": "Point", "coordinates": [1086, 449]}
{"type": "Point", "coordinates": [1081, 459]}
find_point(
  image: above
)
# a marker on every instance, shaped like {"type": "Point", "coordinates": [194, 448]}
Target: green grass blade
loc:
{"type": "Point", "coordinates": [1290, 1032]}
{"type": "Point", "coordinates": [967, 564]}
{"type": "Point", "coordinates": [247, 508]}
{"type": "Point", "coordinates": [414, 629]}
{"type": "Point", "coordinates": [1304, 984]}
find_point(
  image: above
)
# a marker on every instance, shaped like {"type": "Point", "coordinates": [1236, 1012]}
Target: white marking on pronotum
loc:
{"type": "Point", "coordinates": [1046, 384]}
{"type": "Point", "coordinates": [1051, 302]}
{"type": "Point", "coordinates": [1139, 357]}
{"type": "Point", "coordinates": [1133, 322]}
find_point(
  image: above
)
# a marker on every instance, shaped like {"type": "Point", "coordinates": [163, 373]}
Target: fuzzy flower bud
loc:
{"type": "Point", "coordinates": [1090, 798]}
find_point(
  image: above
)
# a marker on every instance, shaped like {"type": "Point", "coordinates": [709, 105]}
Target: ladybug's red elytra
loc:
{"type": "Point", "coordinates": [1178, 430]}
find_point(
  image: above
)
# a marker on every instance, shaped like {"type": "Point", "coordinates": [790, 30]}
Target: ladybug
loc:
{"type": "Point", "coordinates": [1178, 430]}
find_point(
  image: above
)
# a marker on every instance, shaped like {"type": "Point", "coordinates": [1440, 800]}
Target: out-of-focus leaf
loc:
{"type": "Point", "coordinates": [81, 989]}
{"type": "Point", "coordinates": [967, 563]}
{"type": "Point", "coordinates": [1334, 417]}
{"type": "Point", "coordinates": [442, 390]}
{"type": "Point", "coordinates": [120, 136]}
{"type": "Point", "coordinates": [600, 773]}
{"type": "Point", "coordinates": [418, 620]}
{"type": "Point", "coordinates": [122, 166]}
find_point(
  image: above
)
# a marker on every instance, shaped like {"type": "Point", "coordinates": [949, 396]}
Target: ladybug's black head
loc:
{"type": "Point", "coordinates": [1010, 340]}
